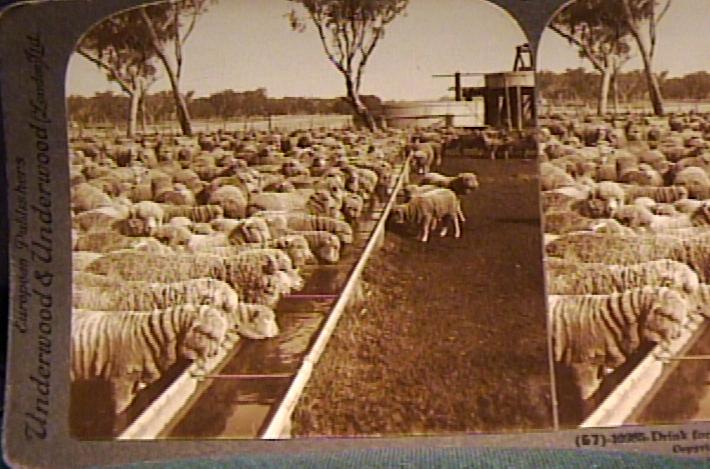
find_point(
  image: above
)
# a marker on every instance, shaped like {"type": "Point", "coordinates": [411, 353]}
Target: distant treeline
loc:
{"type": "Point", "coordinates": [583, 86]}
{"type": "Point", "coordinates": [110, 108]}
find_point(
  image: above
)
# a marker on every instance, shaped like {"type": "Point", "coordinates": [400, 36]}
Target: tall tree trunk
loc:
{"type": "Point", "coordinates": [654, 89]}
{"type": "Point", "coordinates": [603, 98]}
{"type": "Point", "coordinates": [180, 104]}
{"type": "Point", "coordinates": [183, 115]}
{"type": "Point", "coordinates": [364, 115]}
{"type": "Point", "coordinates": [132, 114]}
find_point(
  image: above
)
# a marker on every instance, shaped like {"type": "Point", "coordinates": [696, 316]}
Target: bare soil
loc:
{"type": "Point", "coordinates": [451, 335]}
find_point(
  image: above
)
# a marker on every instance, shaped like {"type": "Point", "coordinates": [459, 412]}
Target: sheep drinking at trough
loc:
{"type": "Point", "coordinates": [133, 349]}
{"type": "Point", "coordinates": [594, 331]}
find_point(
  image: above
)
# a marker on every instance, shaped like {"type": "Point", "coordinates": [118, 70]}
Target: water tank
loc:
{"type": "Point", "coordinates": [428, 113]}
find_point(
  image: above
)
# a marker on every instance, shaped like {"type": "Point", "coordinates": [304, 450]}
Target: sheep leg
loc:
{"type": "Point", "coordinates": [444, 229]}
{"type": "Point", "coordinates": [426, 224]}
{"type": "Point", "coordinates": [587, 379]}
{"type": "Point", "coordinates": [457, 226]}
{"type": "Point", "coordinates": [122, 393]}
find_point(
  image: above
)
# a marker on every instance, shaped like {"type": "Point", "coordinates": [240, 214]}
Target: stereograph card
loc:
{"type": "Point", "coordinates": [240, 226]}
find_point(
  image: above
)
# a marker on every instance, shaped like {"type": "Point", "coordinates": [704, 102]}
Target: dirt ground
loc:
{"type": "Point", "coordinates": [452, 334]}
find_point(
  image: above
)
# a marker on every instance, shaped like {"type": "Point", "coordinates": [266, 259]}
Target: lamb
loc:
{"type": "Point", "coordinates": [597, 278]}
{"type": "Point", "coordinates": [594, 331]}
{"type": "Point", "coordinates": [133, 349]}
{"type": "Point", "coordinates": [430, 208]}
{"type": "Point", "coordinates": [461, 184]}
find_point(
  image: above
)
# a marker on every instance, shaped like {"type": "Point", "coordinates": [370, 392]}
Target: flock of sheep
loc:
{"type": "Point", "coordinates": [627, 237]}
{"type": "Point", "coordinates": [183, 244]}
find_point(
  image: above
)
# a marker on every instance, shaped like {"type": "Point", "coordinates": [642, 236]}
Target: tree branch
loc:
{"type": "Point", "coordinates": [324, 42]}
{"type": "Point", "coordinates": [585, 49]}
{"type": "Point", "coordinates": [112, 71]}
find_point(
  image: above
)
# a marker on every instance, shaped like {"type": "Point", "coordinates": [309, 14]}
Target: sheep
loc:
{"type": "Point", "coordinates": [552, 177]}
{"type": "Point", "coordinates": [667, 194]}
{"type": "Point", "coordinates": [250, 273]}
{"type": "Point", "coordinates": [695, 179]}
{"type": "Point", "coordinates": [249, 230]}
{"type": "Point", "coordinates": [594, 331]}
{"type": "Point", "coordinates": [198, 242]}
{"type": "Point", "coordinates": [430, 208]}
{"type": "Point", "coordinates": [285, 223]}
{"type": "Point", "coordinates": [326, 246]}
{"type": "Point", "coordinates": [353, 206]}
{"type": "Point", "coordinates": [598, 278]}
{"type": "Point", "coordinates": [172, 235]}
{"type": "Point", "coordinates": [561, 222]}
{"type": "Point", "coordinates": [150, 212]}
{"type": "Point", "coordinates": [86, 197]}
{"type": "Point", "coordinates": [461, 184]}
{"type": "Point", "coordinates": [102, 242]}
{"type": "Point", "coordinates": [231, 199]}
{"type": "Point", "coordinates": [144, 296]}
{"type": "Point", "coordinates": [82, 259]}
{"type": "Point", "coordinates": [693, 250]}
{"type": "Point", "coordinates": [295, 245]}
{"type": "Point", "coordinates": [180, 195]}
{"type": "Point", "coordinates": [637, 216]}
{"type": "Point", "coordinates": [101, 219]}
{"type": "Point", "coordinates": [134, 227]}
{"type": "Point", "coordinates": [278, 201]}
{"type": "Point", "coordinates": [133, 349]}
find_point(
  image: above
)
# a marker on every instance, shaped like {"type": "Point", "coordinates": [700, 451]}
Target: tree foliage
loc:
{"type": "Point", "coordinates": [130, 47]}
{"type": "Point", "coordinates": [121, 51]}
{"type": "Point", "coordinates": [579, 85]}
{"type": "Point", "coordinates": [597, 29]}
{"type": "Point", "coordinates": [108, 108]}
{"type": "Point", "coordinates": [349, 31]}
{"type": "Point", "coordinates": [167, 26]}
{"type": "Point", "coordinates": [640, 15]}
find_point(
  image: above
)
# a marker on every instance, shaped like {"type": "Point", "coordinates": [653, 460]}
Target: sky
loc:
{"type": "Point", "coordinates": [247, 44]}
{"type": "Point", "coordinates": [682, 46]}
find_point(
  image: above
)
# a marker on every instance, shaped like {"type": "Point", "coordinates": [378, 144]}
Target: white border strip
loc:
{"type": "Point", "coordinates": [621, 404]}
{"type": "Point", "coordinates": [280, 423]}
